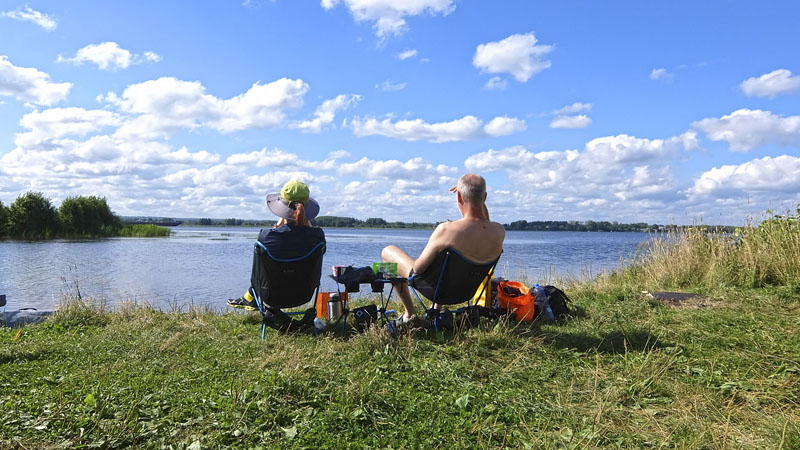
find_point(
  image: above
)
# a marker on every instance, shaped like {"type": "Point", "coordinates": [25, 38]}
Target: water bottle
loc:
{"type": "Point", "coordinates": [319, 324]}
{"type": "Point", "coordinates": [543, 304]}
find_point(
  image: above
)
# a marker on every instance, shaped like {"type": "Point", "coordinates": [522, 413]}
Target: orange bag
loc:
{"type": "Point", "coordinates": [515, 296]}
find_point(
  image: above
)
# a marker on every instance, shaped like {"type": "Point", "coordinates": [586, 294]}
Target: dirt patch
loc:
{"type": "Point", "coordinates": [682, 299]}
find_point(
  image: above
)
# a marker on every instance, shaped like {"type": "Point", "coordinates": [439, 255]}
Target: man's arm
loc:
{"type": "Point", "coordinates": [432, 248]}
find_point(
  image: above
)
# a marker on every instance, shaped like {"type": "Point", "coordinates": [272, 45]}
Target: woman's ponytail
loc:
{"type": "Point", "coordinates": [300, 215]}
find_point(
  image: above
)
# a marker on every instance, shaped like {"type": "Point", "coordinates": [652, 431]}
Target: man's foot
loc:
{"type": "Point", "coordinates": [242, 303]}
{"type": "Point", "coordinates": [406, 321]}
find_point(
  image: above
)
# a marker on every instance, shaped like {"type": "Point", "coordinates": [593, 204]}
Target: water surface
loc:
{"type": "Point", "coordinates": [207, 265]}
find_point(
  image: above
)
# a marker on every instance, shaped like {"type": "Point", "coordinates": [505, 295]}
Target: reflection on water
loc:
{"type": "Point", "coordinates": [207, 265]}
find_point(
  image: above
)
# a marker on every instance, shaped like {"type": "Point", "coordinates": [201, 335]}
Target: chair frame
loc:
{"type": "Point", "coordinates": [262, 306]}
{"type": "Point", "coordinates": [4, 304]}
{"type": "Point", "coordinates": [490, 266]}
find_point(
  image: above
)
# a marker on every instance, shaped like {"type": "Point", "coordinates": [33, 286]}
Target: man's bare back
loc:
{"type": "Point", "coordinates": [478, 239]}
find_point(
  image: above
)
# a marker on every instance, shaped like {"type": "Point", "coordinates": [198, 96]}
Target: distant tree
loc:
{"type": "Point", "coordinates": [230, 221]}
{"type": "Point", "coordinates": [205, 221]}
{"type": "Point", "coordinates": [374, 222]}
{"type": "Point", "coordinates": [3, 220]}
{"type": "Point", "coordinates": [32, 216]}
{"type": "Point", "coordinates": [87, 216]}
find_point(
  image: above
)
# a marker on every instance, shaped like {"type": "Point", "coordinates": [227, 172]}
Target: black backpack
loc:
{"type": "Point", "coordinates": [558, 301]}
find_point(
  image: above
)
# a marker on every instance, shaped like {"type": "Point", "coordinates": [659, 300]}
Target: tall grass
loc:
{"type": "Point", "coordinates": [700, 257]}
{"type": "Point", "coordinates": [140, 230]}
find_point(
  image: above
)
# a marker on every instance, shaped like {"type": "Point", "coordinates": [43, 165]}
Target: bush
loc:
{"type": "Point", "coordinates": [87, 216]}
{"type": "Point", "coordinates": [32, 216]}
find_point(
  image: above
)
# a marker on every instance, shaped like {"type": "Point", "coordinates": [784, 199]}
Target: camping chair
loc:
{"type": "Point", "coordinates": [451, 279]}
{"type": "Point", "coordinates": [3, 305]}
{"type": "Point", "coordinates": [278, 283]}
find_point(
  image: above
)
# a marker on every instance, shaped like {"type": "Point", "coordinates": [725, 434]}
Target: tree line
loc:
{"type": "Point", "coordinates": [373, 222]}
{"type": "Point", "coordinates": [589, 225]}
{"type": "Point", "coordinates": [33, 216]}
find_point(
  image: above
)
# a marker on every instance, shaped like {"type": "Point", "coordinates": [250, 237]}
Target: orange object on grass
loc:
{"type": "Point", "coordinates": [515, 296]}
{"type": "Point", "coordinates": [322, 303]}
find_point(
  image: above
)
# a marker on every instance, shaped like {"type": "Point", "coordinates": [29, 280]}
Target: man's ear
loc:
{"type": "Point", "coordinates": [485, 194]}
{"type": "Point", "coordinates": [458, 196]}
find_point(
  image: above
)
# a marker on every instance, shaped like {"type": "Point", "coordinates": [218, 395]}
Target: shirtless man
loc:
{"type": "Point", "coordinates": [474, 236]}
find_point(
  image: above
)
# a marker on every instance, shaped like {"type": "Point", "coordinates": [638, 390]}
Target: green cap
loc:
{"type": "Point", "coordinates": [295, 191]}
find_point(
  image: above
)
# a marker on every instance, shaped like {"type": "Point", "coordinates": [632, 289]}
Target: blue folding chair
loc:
{"type": "Point", "coordinates": [450, 280]}
{"type": "Point", "coordinates": [279, 283]}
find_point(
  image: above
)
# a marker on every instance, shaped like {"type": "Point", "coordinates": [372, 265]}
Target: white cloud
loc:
{"type": "Point", "coordinates": [167, 104]}
{"type": "Point", "coordinates": [746, 129]}
{"type": "Point", "coordinates": [57, 122]}
{"type": "Point", "coordinates": [620, 170]}
{"type": "Point", "coordinates": [496, 84]}
{"type": "Point", "coordinates": [771, 84]}
{"type": "Point", "coordinates": [624, 149]}
{"type": "Point", "coordinates": [465, 128]}
{"type": "Point", "coordinates": [406, 54]}
{"type": "Point", "coordinates": [780, 174]}
{"type": "Point", "coordinates": [29, 15]}
{"type": "Point", "coordinates": [414, 169]}
{"type": "Point", "coordinates": [660, 75]}
{"type": "Point", "coordinates": [577, 121]}
{"type": "Point", "coordinates": [576, 107]}
{"type": "Point", "coordinates": [504, 126]}
{"type": "Point", "coordinates": [325, 113]}
{"type": "Point", "coordinates": [277, 158]}
{"type": "Point", "coordinates": [29, 84]}
{"type": "Point", "coordinates": [517, 55]}
{"type": "Point", "coordinates": [513, 158]}
{"type": "Point", "coordinates": [388, 17]}
{"type": "Point", "coordinates": [109, 56]}
{"type": "Point", "coordinates": [388, 86]}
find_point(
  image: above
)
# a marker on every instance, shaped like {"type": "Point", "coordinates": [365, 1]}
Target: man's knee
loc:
{"type": "Point", "coordinates": [388, 253]}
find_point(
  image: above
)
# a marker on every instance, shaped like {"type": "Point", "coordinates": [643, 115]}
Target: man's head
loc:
{"type": "Point", "coordinates": [471, 189]}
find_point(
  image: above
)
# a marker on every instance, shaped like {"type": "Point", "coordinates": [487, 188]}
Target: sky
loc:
{"type": "Point", "coordinates": [661, 112]}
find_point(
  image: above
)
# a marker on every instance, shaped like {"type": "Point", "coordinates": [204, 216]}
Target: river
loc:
{"type": "Point", "coordinates": [204, 266]}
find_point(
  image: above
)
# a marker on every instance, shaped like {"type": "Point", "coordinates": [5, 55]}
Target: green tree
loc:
{"type": "Point", "coordinates": [3, 220]}
{"type": "Point", "coordinates": [87, 216]}
{"type": "Point", "coordinates": [375, 222]}
{"type": "Point", "coordinates": [204, 221]}
{"type": "Point", "coordinates": [32, 216]}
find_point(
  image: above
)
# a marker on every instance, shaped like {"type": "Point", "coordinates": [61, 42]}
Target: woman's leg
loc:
{"type": "Point", "coordinates": [405, 263]}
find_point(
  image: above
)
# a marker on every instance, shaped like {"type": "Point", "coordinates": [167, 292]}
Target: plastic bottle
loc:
{"type": "Point", "coordinates": [542, 301]}
{"type": "Point", "coordinates": [319, 324]}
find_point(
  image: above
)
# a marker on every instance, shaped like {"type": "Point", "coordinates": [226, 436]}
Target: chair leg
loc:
{"type": "Point", "coordinates": [263, 330]}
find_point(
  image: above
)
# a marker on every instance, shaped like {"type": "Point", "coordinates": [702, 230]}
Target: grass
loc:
{"type": "Point", "coordinates": [699, 258]}
{"type": "Point", "coordinates": [143, 230]}
{"type": "Point", "coordinates": [624, 372]}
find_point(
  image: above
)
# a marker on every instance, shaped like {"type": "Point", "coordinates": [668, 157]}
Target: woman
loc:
{"type": "Point", "coordinates": [293, 236]}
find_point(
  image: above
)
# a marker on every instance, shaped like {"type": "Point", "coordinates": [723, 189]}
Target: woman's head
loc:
{"type": "Point", "coordinates": [293, 203]}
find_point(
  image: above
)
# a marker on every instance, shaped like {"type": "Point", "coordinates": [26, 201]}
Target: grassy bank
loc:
{"type": "Point", "coordinates": [625, 373]}
{"type": "Point", "coordinates": [722, 371]}
{"type": "Point", "coordinates": [140, 230]}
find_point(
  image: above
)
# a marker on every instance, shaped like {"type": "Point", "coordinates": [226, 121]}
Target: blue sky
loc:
{"type": "Point", "coordinates": [659, 112]}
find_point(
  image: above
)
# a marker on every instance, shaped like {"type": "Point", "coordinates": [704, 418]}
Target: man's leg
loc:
{"type": "Point", "coordinates": [404, 262]}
